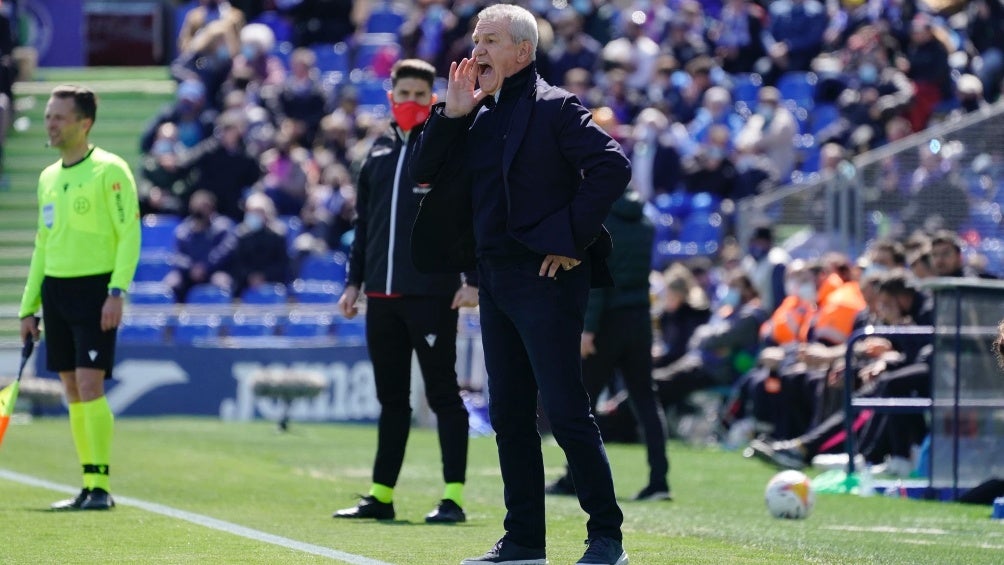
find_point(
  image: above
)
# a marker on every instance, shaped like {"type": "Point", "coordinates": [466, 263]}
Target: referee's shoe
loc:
{"type": "Point", "coordinates": [98, 499]}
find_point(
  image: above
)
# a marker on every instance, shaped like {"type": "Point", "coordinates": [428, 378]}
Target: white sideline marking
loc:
{"type": "Point", "coordinates": [205, 521]}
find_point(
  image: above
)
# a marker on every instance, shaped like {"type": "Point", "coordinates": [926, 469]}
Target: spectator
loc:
{"type": "Point", "coordinates": [684, 101]}
{"type": "Point", "coordinates": [946, 257]}
{"type": "Point", "coordinates": [323, 21]}
{"type": "Point", "coordinates": [985, 32]}
{"type": "Point", "coordinates": [255, 67]}
{"type": "Point", "coordinates": [200, 249]}
{"type": "Point", "coordinates": [633, 51]}
{"type": "Point", "coordinates": [191, 114]}
{"type": "Point", "coordinates": [766, 264]}
{"type": "Point", "coordinates": [682, 45]}
{"type": "Point", "coordinates": [285, 180]}
{"type": "Point", "coordinates": [936, 199]}
{"type": "Point", "coordinates": [301, 96]}
{"type": "Point", "coordinates": [208, 11]}
{"type": "Point", "coordinates": [223, 166]}
{"type": "Point", "coordinates": [794, 36]}
{"type": "Point", "coordinates": [161, 186]}
{"type": "Point", "coordinates": [719, 351]}
{"type": "Point", "coordinates": [755, 172]}
{"type": "Point", "coordinates": [716, 109]}
{"type": "Point", "coordinates": [573, 48]}
{"type": "Point", "coordinates": [710, 169]}
{"type": "Point", "coordinates": [926, 63]}
{"type": "Point", "coordinates": [427, 33]}
{"type": "Point", "coordinates": [655, 163]}
{"type": "Point", "coordinates": [255, 253]}
{"type": "Point", "coordinates": [969, 93]}
{"type": "Point", "coordinates": [686, 308]}
{"type": "Point", "coordinates": [208, 60]}
{"type": "Point", "coordinates": [736, 36]}
{"type": "Point", "coordinates": [771, 130]}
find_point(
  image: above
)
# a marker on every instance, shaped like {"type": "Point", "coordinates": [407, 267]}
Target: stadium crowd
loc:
{"type": "Point", "coordinates": [713, 101]}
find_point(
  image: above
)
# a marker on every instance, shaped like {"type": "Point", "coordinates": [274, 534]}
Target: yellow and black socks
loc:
{"type": "Point", "coordinates": [78, 428]}
{"type": "Point", "coordinates": [454, 492]}
{"type": "Point", "coordinates": [98, 425]}
{"type": "Point", "coordinates": [382, 493]}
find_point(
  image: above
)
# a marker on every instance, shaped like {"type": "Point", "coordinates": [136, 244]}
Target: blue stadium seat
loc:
{"type": "Point", "coordinates": [250, 325]}
{"type": "Point", "coordinates": [746, 88]}
{"type": "Point", "coordinates": [350, 332]}
{"type": "Point", "coordinates": [153, 294]}
{"type": "Point", "coordinates": [384, 20]}
{"type": "Point", "coordinates": [158, 232]}
{"type": "Point", "coordinates": [822, 116]}
{"type": "Point", "coordinates": [142, 329]}
{"type": "Point", "coordinates": [799, 87]}
{"type": "Point", "coordinates": [314, 291]}
{"type": "Point", "coordinates": [373, 92]}
{"type": "Point", "coordinates": [676, 203]}
{"type": "Point", "coordinates": [195, 327]}
{"type": "Point", "coordinates": [294, 227]}
{"type": "Point", "coordinates": [268, 293]}
{"type": "Point", "coordinates": [703, 232]}
{"type": "Point", "coordinates": [208, 294]}
{"type": "Point", "coordinates": [704, 202]}
{"type": "Point", "coordinates": [374, 46]}
{"type": "Point", "coordinates": [306, 324]}
{"type": "Point", "coordinates": [152, 269]}
{"type": "Point", "coordinates": [324, 267]}
{"type": "Point", "coordinates": [332, 58]}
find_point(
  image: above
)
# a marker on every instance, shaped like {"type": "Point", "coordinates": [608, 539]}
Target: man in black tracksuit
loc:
{"type": "Point", "coordinates": [617, 336]}
{"type": "Point", "coordinates": [406, 310]}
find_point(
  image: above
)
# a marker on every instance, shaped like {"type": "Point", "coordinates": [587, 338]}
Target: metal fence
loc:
{"type": "Point", "coordinates": [951, 176]}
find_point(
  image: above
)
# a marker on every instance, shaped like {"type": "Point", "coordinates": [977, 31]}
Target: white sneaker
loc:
{"type": "Point", "coordinates": [895, 466]}
{"type": "Point", "coordinates": [836, 461]}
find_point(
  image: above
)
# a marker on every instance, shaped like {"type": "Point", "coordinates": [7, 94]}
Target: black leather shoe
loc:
{"type": "Point", "coordinates": [507, 552]}
{"type": "Point", "coordinates": [446, 512]}
{"type": "Point", "coordinates": [98, 499]}
{"type": "Point", "coordinates": [368, 507]}
{"type": "Point", "coordinates": [71, 503]}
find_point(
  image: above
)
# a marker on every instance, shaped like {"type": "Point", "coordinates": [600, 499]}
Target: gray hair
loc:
{"type": "Point", "coordinates": [522, 23]}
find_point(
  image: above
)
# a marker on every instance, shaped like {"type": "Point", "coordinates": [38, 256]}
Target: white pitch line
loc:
{"type": "Point", "coordinates": [205, 521]}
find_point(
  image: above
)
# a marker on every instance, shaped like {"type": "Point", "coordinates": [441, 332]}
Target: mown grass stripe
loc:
{"type": "Point", "coordinates": [205, 521]}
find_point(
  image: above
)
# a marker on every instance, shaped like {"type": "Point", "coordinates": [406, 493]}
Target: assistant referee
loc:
{"type": "Point", "coordinates": [86, 251]}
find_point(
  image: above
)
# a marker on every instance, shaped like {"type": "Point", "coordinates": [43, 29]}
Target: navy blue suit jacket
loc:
{"type": "Point", "coordinates": [580, 172]}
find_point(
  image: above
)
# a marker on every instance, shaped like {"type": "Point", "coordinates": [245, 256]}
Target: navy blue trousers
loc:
{"type": "Point", "coordinates": [531, 327]}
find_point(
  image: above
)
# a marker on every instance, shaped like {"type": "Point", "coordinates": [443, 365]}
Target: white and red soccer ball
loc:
{"type": "Point", "coordinates": [789, 494]}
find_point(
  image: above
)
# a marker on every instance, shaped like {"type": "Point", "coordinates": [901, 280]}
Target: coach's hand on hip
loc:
{"type": "Point", "coordinates": [111, 313]}
{"type": "Point", "coordinates": [552, 263]}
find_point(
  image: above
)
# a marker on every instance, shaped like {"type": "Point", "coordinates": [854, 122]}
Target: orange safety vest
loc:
{"type": "Point", "coordinates": [785, 324]}
{"type": "Point", "coordinates": [834, 321]}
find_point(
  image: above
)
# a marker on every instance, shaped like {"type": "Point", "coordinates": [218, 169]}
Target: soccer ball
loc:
{"type": "Point", "coordinates": [789, 494]}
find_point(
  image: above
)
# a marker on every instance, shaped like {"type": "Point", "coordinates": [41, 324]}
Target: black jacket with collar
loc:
{"type": "Point", "coordinates": [387, 203]}
{"type": "Point", "coordinates": [580, 172]}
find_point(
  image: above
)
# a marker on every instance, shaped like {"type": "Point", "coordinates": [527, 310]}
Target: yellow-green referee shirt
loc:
{"type": "Point", "coordinates": [88, 224]}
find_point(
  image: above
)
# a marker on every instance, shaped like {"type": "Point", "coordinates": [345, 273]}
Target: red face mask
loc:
{"type": "Point", "coordinates": [409, 114]}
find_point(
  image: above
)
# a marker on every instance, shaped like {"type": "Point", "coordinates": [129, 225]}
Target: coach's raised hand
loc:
{"type": "Point", "coordinates": [461, 97]}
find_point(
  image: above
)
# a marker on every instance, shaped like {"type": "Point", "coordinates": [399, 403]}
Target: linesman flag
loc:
{"type": "Point", "coordinates": [8, 396]}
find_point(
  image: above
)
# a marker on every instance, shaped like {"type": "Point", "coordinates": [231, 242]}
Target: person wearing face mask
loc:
{"type": "Point", "coordinates": [766, 265]}
{"type": "Point", "coordinates": [206, 13]}
{"type": "Point", "coordinates": [721, 350]}
{"type": "Point", "coordinates": [406, 310]}
{"type": "Point", "coordinates": [255, 253]}
{"type": "Point", "coordinates": [770, 131]}
{"type": "Point", "coordinates": [199, 247]}
{"type": "Point", "coordinates": [208, 59]}
{"type": "Point", "coordinates": [884, 367]}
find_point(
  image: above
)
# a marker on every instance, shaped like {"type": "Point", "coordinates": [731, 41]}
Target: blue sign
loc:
{"type": "Point", "coordinates": [217, 381]}
{"type": "Point", "coordinates": [55, 28]}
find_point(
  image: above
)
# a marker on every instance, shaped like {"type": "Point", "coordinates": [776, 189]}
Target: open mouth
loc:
{"type": "Point", "coordinates": [485, 70]}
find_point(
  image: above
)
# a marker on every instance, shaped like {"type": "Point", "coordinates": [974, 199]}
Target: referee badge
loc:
{"type": "Point", "coordinates": [48, 214]}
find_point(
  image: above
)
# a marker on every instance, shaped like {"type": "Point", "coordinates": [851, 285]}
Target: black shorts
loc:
{"type": "Point", "coordinates": [71, 314]}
